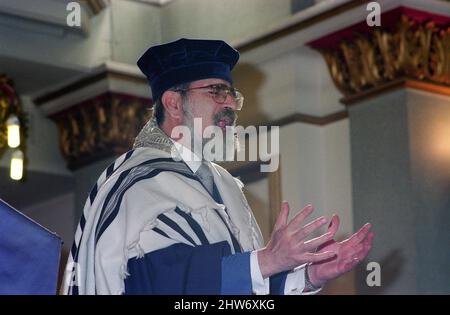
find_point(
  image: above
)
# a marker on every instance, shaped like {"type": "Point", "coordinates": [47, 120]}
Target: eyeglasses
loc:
{"type": "Point", "coordinates": [220, 93]}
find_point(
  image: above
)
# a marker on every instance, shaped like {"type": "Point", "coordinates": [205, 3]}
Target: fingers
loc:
{"type": "Point", "coordinates": [361, 250]}
{"type": "Point", "coordinates": [359, 236]}
{"type": "Point", "coordinates": [318, 241]}
{"type": "Point", "coordinates": [355, 253]}
{"type": "Point", "coordinates": [361, 255]}
{"type": "Point", "coordinates": [334, 224]}
{"type": "Point", "coordinates": [357, 250]}
{"type": "Point", "coordinates": [282, 217]}
{"type": "Point", "coordinates": [367, 245]}
{"type": "Point", "coordinates": [317, 257]}
{"type": "Point", "coordinates": [369, 239]}
{"type": "Point", "coordinates": [350, 265]}
{"type": "Point", "coordinates": [310, 227]}
{"type": "Point", "coordinates": [301, 216]}
{"type": "Point", "coordinates": [354, 259]}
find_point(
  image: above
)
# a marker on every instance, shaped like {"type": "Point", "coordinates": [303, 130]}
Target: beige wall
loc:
{"type": "Point", "coordinates": [315, 169]}
{"type": "Point", "coordinates": [136, 26]}
{"type": "Point", "coordinates": [226, 19]}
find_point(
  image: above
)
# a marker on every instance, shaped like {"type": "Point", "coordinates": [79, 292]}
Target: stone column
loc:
{"type": "Point", "coordinates": [396, 84]}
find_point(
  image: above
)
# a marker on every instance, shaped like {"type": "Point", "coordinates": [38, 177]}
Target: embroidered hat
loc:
{"type": "Point", "coordinates": [186, 60]}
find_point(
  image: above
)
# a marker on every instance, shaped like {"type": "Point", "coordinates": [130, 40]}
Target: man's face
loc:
{"type": "Point", "coordinates": [201, 104]}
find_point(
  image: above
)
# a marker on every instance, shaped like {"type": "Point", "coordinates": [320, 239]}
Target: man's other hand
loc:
{"type": "Point", "coordinates": [288, 246]}
{"type": "Point", "coordinates": [349, 253]}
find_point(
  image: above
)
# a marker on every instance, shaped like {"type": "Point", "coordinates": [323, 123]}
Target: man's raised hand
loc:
{"type": "Point", "coordinates": [288, 246]}
{"type": "Point", "coordinates": [349, 253]}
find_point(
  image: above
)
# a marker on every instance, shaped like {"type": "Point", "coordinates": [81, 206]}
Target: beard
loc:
{"type": "Point", "coordinates": [220, 147]}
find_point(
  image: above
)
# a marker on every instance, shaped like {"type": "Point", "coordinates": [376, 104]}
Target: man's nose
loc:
{"type": "Point", "coordinates": [230, 102]}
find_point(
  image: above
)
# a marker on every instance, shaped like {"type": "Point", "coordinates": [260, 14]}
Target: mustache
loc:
{"type": "Point", "coordinates": [228, 114]}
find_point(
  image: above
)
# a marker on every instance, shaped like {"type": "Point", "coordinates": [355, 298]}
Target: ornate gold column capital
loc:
{"type": "Point", "coordinates": [410, 49]}
{"type": "Point", "coordinates": [100, 127]}
{"type": "Point", "coordinates": [99, 115]}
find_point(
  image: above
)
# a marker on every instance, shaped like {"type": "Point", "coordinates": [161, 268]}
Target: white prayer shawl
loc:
{"type": "Point", "coordinates": [101, 267]}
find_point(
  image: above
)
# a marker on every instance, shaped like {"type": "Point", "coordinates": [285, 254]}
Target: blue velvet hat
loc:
{"type": "Point", "coordinates": [186, 60]}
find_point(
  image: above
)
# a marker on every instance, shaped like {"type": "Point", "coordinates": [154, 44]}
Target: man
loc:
{"type": "Point", "coordinates": [161, 222]}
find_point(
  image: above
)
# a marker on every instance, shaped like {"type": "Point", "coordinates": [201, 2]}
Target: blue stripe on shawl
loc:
{"type": "Point", "coordinates": [92, 195]}
{"type": "Point", "coordinates": [218, 198]}
{"type": "Point", "coordinates": [109, 172]}
{"type": "Point", "coordinates": [174, 226]}
{"type": "Point", "coordinates": [82, 222]}
{"type": "Point", "coordinates": [160, 232]}
{"type": "Point", "coordinates": [236, 246]}
{"type": "Point", "coordinates": [194, 226]}
{"type": "Point", "coordinates": [101, 227]}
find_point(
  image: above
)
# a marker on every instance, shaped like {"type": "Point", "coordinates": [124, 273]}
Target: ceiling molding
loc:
{"type": "Point", "coordinates": [110, 76]}
{"type": "Point", "coordinates": [84, 82]}
{"type": "Point", "coordinates": [44, 16]}
{"type": "Point", "coordinates": [308, 119]}
{"type": "Point", "coordinates": [159, 3]}
{"type": "Point", "coordinates": [400, 83]}
{"type": "Point", "coordinates": [300, 21]}
{"type": "Point", "coordinates": [317, 21]}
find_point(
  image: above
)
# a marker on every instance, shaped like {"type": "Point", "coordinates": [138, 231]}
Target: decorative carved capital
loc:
{"type": "Point", "coordinates": [411, 50]}
{"type": "Point", "coordinates": [100, 127]}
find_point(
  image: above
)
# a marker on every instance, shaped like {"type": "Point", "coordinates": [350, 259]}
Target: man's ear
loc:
{"type": "Point", "coordinates": [173, 105]}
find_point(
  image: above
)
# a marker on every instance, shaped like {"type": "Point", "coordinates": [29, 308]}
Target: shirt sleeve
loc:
{"type": "Point", "coordinates": [287, 283]}
{"type": "Point", "coordinates": [260, 286]}
{"type": "Point", "coordinates": [295, 282]}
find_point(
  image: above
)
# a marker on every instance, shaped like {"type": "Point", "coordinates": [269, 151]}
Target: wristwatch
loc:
{"type": "Point", "coordinates": [308, 284]}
